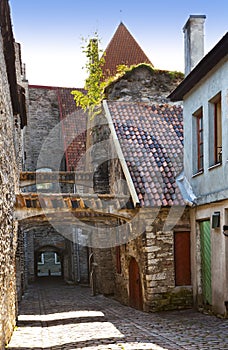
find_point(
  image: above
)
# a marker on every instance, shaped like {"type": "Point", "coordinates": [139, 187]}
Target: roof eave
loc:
{"type": "Point", "coordinates": [122, 160]}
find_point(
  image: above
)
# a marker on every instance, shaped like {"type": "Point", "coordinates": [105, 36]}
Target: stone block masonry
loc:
{"type": "Point", "coordinates": [8, 227]}
{"type": "Point", "coordinates": [43, 118]}
{"type": "Point", "coordinates": [144, 84]}
{"type": "Point", "coordinates": [153, 250]}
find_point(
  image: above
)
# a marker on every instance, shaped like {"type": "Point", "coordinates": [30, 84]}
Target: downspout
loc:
{"type": "Point", "coordinates": [121, 158]}
{"type": "Point", "coordinates": [75, 230]}
{"type": "Point", "coordinates": [62, 127]}
{"type": "Point", "coordinates": [77, 254]}
{"type": "Point", "coordinates": [78, 258]}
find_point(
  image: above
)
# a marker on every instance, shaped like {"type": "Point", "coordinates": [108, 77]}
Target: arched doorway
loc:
{"type": "Point", "coordinates": [135, 286]}
{"type": "Point", "coordinates": [48, 262]}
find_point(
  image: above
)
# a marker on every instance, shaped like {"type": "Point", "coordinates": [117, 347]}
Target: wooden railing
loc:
{"type": "Point", "coordinates": [30, 178]}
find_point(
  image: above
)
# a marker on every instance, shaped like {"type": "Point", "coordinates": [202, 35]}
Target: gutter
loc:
{"type": "Point", "coordinates": [186, 190]}
{"type": "Point", "coordinates": [121, 158]}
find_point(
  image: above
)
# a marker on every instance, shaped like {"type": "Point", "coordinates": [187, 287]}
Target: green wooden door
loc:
{"type": "Point", "coordinates": [205, 240]}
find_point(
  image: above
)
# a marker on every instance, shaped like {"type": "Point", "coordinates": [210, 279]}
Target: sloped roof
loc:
{"type": "Point", "coordinates": [151, 138]}
{"type": "Point", "coordinates": [122, 49]}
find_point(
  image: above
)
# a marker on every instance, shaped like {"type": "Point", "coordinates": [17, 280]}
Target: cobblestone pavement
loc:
{"type": "Point", "coordinates": [62, 317]}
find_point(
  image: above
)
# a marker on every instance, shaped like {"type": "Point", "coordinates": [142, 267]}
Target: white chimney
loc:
{"type": "Point", "coordinates": [193, 41]}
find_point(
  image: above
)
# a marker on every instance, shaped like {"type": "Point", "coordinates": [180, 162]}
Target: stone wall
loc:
{"type": "Point", "coordinates": [21, 124]}
{"type": "Point", "coordinates": [29, 257]}
{"type": "Point", "coordinates": [41, 151]}
{"type": "Point", "coordinates": [153, 249]}
{"type": "Point", "coordinates": [131, 249]}
{"type": "Point", "coordinates": [44, 237]}
{"type": "Point", "coordinates": [44, 147]}
{"type": "Point", "coordinates": [145, 84]}
{"type": "Point", "coordinates": [104, 272]}
{"type": "Point", "coordinates": [20, 265]}
{"type": "Point", "coordinates": [73, 256]}
{"type": "Point", "coordinates": [161, 290]}
{"type": "Point", "coordinates": [8, 227]}
{"type": "Point", "coordinates": [99, 152]}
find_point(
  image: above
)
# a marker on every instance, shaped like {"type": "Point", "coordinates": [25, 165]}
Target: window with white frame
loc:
{"type": "Point", "coordinates": [198, 142]}
{"type": "Point", "coordinates": [215, 130]}
{"type": "Point", "coordinates": [57, 259]}
{"type": "Point", "coordinates": [41, 186]}
{"type": "Point", "coordinates": [41, 259]}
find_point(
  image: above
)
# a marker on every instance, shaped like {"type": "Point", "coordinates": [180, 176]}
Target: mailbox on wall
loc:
{"type": "Point", "coordinates": [216, 219]}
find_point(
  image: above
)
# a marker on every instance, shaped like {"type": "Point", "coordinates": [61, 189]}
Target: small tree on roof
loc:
{"type": "Point", "coordinates": [94, 84]}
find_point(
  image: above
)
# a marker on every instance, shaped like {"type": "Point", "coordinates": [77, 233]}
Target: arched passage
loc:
{"type": "Point", "coordinates": [49, 262]}
{"type": "Point", "coordinates": [135, 285]}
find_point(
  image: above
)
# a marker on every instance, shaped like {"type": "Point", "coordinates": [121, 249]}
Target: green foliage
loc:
{"type": "Point", "coordinates": [94, 84]}
{"type": "Point", "coordinates": [176, 75]}
{"type": "Point", "coordinates": [122, 70]}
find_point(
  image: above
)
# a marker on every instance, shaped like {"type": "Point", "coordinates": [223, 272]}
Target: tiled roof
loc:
{"type": "Point", "coordinates": [151, 138]}
{"type": "Point", "coordinates": [73, 128]}
{"type": "Point", "coordinates": [122, 49]}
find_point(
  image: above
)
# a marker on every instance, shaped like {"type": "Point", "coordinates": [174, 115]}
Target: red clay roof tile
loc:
{"type": "Point", "coordinates": [151, 138]}
{"type": "Point", "coordinates": [122, 50]}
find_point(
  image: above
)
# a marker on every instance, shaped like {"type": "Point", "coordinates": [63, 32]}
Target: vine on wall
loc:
{"type": "Point", "coordinates": [94, 84]}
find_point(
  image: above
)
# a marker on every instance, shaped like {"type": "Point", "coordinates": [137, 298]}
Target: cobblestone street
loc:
{"type": "Point", "coordinates": [63, 317]}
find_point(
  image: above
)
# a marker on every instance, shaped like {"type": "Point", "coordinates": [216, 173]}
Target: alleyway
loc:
{"type": "Point", "coordinates": [62, 317]}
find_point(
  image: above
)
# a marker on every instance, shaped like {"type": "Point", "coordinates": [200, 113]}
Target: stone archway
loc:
{"type": "Point", "coordinates": [49, 261]}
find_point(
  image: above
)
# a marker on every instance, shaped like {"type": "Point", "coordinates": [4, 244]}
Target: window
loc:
{"type": "Point", "coordinates": [41, 259]}
{"type": "Point", "coordinates": [215, 130]}
{"type": "Point", "coordinates": [41, 186]}
{"type": "Point", "coordinates": [198, 152]}
{"type": "Point", "coordinates": [182, 258]}
{"type": "Point", "coordinates": [57, 259]}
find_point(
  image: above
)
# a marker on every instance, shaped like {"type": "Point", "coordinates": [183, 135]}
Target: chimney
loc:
{"type": "Point", "coordinates": [193, 41]}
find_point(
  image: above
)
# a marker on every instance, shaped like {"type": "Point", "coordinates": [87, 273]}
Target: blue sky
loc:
{"type": "Point", "coordinates": [51, 31]}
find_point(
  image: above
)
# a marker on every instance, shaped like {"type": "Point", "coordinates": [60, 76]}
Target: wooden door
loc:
{"type": "Point", "coordinates": [182, 258]}
{"type": "Point", "coordinates": [135, 286]}
{"type": "Point", "coordinates": [205, 240]}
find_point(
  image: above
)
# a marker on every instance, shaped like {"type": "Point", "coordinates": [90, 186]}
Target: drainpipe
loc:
{"type": "Point", "coordinates": [76, 248]}
{"type": "Point", "coordinates": [78, 258]}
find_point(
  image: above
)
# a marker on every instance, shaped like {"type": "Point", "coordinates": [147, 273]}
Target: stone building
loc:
{"type": "Point", "coordinates": [13, 120]}
{"type": "Point", "coordinates": [56, 140]}
{"type": "Point", "coordinates": [55, 128]}
{"type": "Point", "coordinates": [144, 262]}
{"type": "Point", "coordinates": [134, 255]}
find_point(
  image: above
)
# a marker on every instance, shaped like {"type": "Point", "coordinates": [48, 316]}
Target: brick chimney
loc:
{"type": "Point", "coordinates": [193, 41]}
